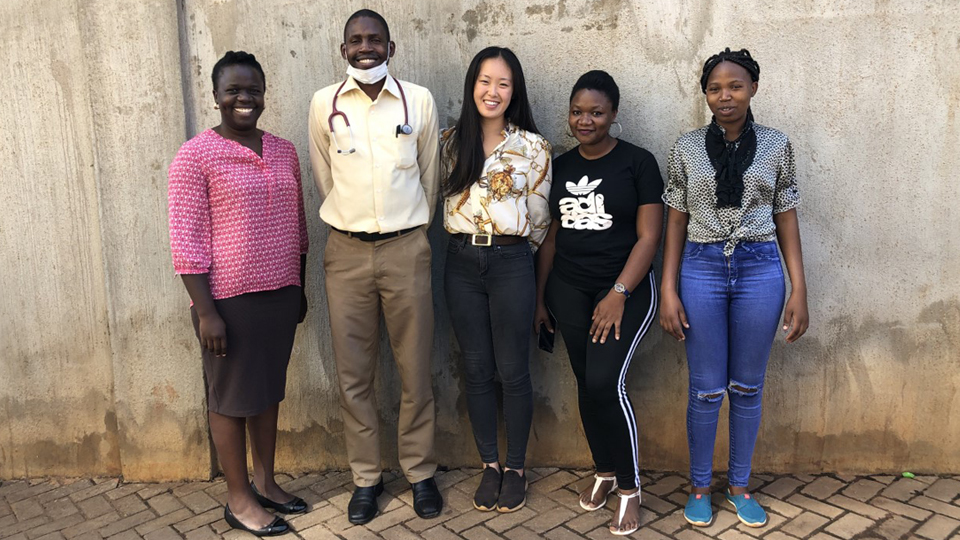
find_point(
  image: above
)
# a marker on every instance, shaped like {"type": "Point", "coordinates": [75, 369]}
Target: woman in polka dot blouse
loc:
{"type": "Point", "coordinates": [239, 240]}
{"type": "Point", "coordinates": [732, 198]}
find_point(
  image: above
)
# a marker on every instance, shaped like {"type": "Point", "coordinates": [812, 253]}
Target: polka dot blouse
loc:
{"type": "Point", "coordinates": [769, 187]}
{"type": "Point", "coordinates": [236, 216]}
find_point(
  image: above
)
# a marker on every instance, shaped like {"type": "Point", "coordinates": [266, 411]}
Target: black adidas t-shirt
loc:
{"type": "Point", "coordinates": [595, 202]}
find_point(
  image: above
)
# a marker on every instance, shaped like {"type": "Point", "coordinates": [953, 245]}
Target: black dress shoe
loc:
{"type": "Point", "coordinates": [294, 506]}
{"type": "Point", "coordinates": [276, 527]}
{"type": "Point", "coordinates": [363, 504]}
{"type": "Point", "coordinates": [427, 502]}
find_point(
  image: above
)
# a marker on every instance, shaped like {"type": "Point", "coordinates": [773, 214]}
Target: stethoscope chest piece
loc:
{"type": "Point", "coordinates": [405, 129]}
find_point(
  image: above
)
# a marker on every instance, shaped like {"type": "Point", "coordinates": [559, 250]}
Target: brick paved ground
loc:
{"type": "Point", "coordinates": [818, 507]}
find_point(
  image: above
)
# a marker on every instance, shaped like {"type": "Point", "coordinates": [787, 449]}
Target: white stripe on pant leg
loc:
{"type": "Point", "coordinates": [621, 383]}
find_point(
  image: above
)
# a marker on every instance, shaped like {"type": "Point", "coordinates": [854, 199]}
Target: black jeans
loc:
{"type": "Point", "coordinates": [491, 296]}
{"type": "Point", "coordinates": [601, 370]}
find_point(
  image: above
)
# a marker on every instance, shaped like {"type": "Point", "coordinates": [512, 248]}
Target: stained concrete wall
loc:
{"type": "Point", "coordinates": [99, 370]}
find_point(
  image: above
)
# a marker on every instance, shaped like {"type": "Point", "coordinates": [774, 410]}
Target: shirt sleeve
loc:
{"type": "Point", "coordinates": [649, 181]}
{"type": "Point", "coordinates": [301, 214]}
{"type": "Point", "coordinates": [539, 181]}
{"type": "Point", "coordinates": [319, 149]}
{"type": "Point", "coordinates": [428, 154]}
{"type": "Point", "coordinates": [189, 214]}
{"type": "Point", "coordinates": [675, 196]}
{"type": "Point", "coordinates": [786, 196]}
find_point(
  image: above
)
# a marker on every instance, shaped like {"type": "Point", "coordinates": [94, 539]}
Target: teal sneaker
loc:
{"type": "Point", "coordinates": [698, 511]}
{"type": "Point", "coordinates": [748, 510]}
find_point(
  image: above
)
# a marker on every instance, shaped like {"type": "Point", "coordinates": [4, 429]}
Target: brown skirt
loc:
{"type": "Point", "coordinates": [252, 377]}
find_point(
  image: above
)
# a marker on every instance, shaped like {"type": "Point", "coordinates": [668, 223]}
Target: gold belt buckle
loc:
{"type": "Point", "coordinates": [482, 240]}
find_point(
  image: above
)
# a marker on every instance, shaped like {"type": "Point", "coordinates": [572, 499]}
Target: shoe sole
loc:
{"type": "Point", "coordinates": [504, 510]}
{"type": "Point", "coordinates": [625, 533]}
{"type": "Point", "coordinates": [594, 509]}
{"type": "Point", "coordinates": [485, 508]}
{"type": "Point", "coordinates": [698, 523]}
{"type": "Point", "coordinates": [745, 522]}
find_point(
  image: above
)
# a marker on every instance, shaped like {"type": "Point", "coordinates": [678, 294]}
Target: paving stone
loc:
{"type": "Point", "coordinates": [480, 533]}
{"type": "Point", "coordinates": [927, 479]}
{"type": "Point", "coordinates": [60, 508]}
{"type": "Point", "coordinates": [778, 535]}
{"type": "Point", "coordinates": [944, 489]}
{"type": "Point", "coordinates": [863, 490]}
{"type": "Point", "coordinates": [521, 533]}
{"type": "Point", "coordinates": [22, 526]}
{"type": "Point", "coordinates": [164, 521]}
{"type": "Point", "coordinates": [27, 509]}
{"type": "Point", "coordinates": [127, 523]}
{"type": "Point", "coordinates": [937, 506]}
{"type": "Point", "coordinates": [5, 509]}
{"type": "Point", "coordinates": [872, 512]}
{"type": "Point", "coordinates": [91, 525]}
{"type": "Point", "coordinates": [122, 491]}
{"type": "Point", "coordinates": [903, 489]}
{"type": "Point", "coordinates": [164, 503]}
{"type": "Point", "coordinates": [782, 487]}
{"type": "Point", "coordinates": [657, 504]}
{"type": "Point", "coordinates": [64, 490]}
{"type": "Point", "coordinates": [548, 520]}
{"type": "Point", "coordinates": [304, 481]}
{"type": "Point", "coordinates": [399, 532]}
{"type": "Point", "coordinates": [781, 507]}
{"type": "Point", "coordinates": [126, 535]}
{"type": "Point", "coordinates": [666, 485]}
{"type": "Point", "coordinates": [895, 527]}
{"type": "Point", "coordinates": [900, 508]}
{"type": "Point", "coordinates": [883, 479]}
{"type": "Point", "coordinates": [773, 521]}
{"type": "Point", "coordinates": [199, 520]}
{"type": "Point", "coordinates": [8, 487]}
{"type": "Point", "coordinates": [34, 490]}
{"type": "Point", "coordinates": [317, 532]}
{"type": "Point", "coordinates": [400, 515]}
{"type": "Point", "coordinates": [51, 536]}
{"type": "Point", "coordinates": [202, 533]}
{"type": "Point", "coordinates": [849, 526]}
{"type": "Point", "coordinates": [359, 533]}
{"type": "Point", "coordinates": [691, 534]}
{"type": "Point", "coordinates": [938, 528]}
{"type": "Point", "coordinates": [722, 520]}
{"type": "Point", "coordinates": [823, 536]}
{"type": "Point", "coordinates": [734, 534]}
{"type": "Point", "coordinates": [555, 481]}
{"type": "Point", "coordinates": [164, 533]}
{"type": "Point", "coordinates": [822, 487]}
{"type": "Point", "coordinates": [588, 521]}
{"type": "Point", "coordinates": [510, 520]}
{"type": "Point", "coordinates": [129, 505]}
{"type": "Point", "coordinates": [94, 490]}
{"type": "Point", "coordinates": [562, 533]}
{"type": "Point", "coordinates": [439, 532]}
{"type": "Point", "coordinates": [95, 506]}
{"type": "Point", "coordinates": [671, 523]}
{"type": "Point", "coordinates": [199, 502]}
{"type": "Point", "coordinates": [804, 524]}
{"type": "Point", "coordinates": [814, 505]}
{"type": "Point", "coordinates": [55, 526]}
{"type": "Point", "coordinates": [468, 520]}
{"type": "Point", "coordinates": [314, 517]}
{"type": "Point", "coordinates": [152, 490]}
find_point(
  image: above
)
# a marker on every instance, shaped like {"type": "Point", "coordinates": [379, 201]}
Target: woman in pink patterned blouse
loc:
{"type": "Point", "coordinates": [239, 240]}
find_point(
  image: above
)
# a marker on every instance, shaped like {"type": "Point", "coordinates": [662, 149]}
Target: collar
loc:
{"type": "Point", "coordinates": [391, 86]}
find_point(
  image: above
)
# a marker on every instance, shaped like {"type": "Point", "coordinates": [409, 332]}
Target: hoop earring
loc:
{"type": "Point", "coordinates": [617, 136]}
{"type": "Point", "coordinates": [217, 106]}
{"type": "Point", "coordinates": [567, 132]}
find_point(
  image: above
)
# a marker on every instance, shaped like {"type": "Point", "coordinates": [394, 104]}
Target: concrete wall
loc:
{"type": "Point", "coordinates": [99, 369]}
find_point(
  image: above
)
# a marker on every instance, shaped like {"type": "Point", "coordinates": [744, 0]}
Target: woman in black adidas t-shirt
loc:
{"type": "Point", "coordinates": [594, 276]}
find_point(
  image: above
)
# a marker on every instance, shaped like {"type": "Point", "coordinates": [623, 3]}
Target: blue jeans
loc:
{"type": "Point", "coordinates": [733, 306]}
{"type": "Point", "coordinates": [491, 295]}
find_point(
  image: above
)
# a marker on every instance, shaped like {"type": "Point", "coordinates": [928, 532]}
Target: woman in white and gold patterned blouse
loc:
{"type": "Point", "coordinates": [496, 189]}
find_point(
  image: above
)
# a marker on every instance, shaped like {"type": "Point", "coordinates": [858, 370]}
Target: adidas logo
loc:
{"type": "Point", "coordinates": [584, 186]}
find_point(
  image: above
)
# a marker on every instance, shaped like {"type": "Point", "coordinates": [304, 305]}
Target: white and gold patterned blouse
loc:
{"type": "Point", "coordinates": [512, 195]}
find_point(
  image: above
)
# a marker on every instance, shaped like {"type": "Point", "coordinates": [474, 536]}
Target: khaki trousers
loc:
{"type": "Point", "coordinates": [364, 279]}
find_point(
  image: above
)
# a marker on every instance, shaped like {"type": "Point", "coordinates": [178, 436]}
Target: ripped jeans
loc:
{"type": "Point", "coordinates": [733, 306]}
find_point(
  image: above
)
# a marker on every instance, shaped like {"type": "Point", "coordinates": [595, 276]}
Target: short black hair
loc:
{"type": "Point", "coordinates": [602, 82]}
{"type": "Point", "coordinates": [236, 58]}
{"type": "Point", "coordinates": [741, 58]}
{"type": "Point", "coordinates": [367, 13]}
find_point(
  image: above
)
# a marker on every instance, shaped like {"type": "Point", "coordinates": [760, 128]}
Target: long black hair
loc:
{"type": "Point", "coordinates": [466, 143]}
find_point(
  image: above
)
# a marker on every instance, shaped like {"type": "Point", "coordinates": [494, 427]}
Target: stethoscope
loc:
{"type": "Point", "coordinates": [404, 128]}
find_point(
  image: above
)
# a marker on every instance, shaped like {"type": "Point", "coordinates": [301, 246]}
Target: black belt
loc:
{"type": "Point", "coordinates": [373, 237]}
{"type": "Point", "coordinates": [485, 240]}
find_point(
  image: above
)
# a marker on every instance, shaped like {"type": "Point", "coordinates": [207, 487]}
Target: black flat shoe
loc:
{"type": "Point", "coordinates": [295, 506]}
{"type": "Point", "coordinates": [276, 527]}
{"type": "Point", "coordinates": [485, 499]}
{"type": "Point", "coordinates": [363, 504]}
{"type": "Point", "coordinates": [427, 502]}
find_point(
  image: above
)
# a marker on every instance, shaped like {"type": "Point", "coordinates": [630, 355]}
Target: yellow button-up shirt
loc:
{"type": "Point", "coordinates": [512, 195]}
{"type": "Point", "coordinates": [390, 182]}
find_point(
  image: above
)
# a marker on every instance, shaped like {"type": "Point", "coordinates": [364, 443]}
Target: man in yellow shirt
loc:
{"type": "Point", "coordinates": [375, 151]}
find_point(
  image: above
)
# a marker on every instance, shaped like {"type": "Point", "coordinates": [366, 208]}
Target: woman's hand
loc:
{"type": "Point", "coordinates": [796, 315]}
{"type": "Point", "coordinates": [673, 319]}
{"type": "Point", "coordinates": [606, 315]}
{"type": "Point", "coordinates": [541, 316]}
{"type": "Point", "coordinates": [213, 334]}
{"type": "Point", "coordinates": [303, 306]}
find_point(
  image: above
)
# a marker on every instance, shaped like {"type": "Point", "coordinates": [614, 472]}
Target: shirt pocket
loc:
{"type": "Point", "coordinates": [407, 150]}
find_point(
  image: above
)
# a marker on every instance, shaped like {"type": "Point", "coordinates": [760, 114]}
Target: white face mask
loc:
{"type": "Point", "coordinates": [368, 76]}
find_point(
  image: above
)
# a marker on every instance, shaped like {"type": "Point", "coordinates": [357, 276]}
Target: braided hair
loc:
{"type": "Point", "coordinates": [742, 58]}
{"type": "Point", "coordinates": [236, 58]}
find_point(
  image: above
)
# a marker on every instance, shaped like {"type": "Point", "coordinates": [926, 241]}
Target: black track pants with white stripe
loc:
{"type": "Point", "coordinates": [601, 370]}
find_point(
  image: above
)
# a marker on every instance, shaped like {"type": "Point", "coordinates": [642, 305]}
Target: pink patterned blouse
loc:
{"type": "Point", "coordinates": [236, 216]}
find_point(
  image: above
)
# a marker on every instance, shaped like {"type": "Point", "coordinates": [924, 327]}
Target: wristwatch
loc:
{"type": "Point", "coordinates": [621, 288]}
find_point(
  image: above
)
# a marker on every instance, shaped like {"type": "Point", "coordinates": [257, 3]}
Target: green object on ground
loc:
{"type": "Point", "coordinates": [908, 474]}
